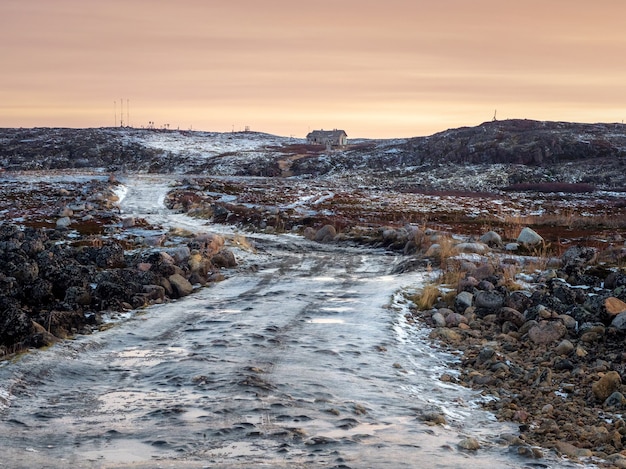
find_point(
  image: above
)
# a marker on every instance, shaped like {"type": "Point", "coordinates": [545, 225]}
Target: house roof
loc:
{"type": "Point", "coordinates": [326, 133]}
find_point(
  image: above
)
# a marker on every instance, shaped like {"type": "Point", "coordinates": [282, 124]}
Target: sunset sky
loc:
{"type": "Point", "coordinates": [392, 68]}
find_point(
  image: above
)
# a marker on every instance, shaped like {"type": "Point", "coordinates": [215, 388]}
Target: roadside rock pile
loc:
{"type": "Point", "coordinates": [551, 353]}
{"type": "Point", "coordinates": [51, 288]}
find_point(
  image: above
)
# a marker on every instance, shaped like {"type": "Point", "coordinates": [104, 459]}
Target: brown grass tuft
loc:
{"type": "Point", "coordinates": [427, 298]}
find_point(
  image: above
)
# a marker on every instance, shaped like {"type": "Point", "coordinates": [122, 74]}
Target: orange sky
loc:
{"type": "Point", "coordinates": [393, 68]}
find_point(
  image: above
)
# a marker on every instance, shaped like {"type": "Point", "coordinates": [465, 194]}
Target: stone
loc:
{"type": "Point", "coordinates": [564, 348]}
{"type": "Point", "coordinates": [433, 418]}
{"type": "Point", "coordinates": [446, 334]}
{"type": "Point", "coordinates": [512, 247]}
{"type": "Point", "coordinates": [616, 400]}
{"type": "Point", "coordinates": [325, 234]}
{"type": "Point", "coordinates": [619, 322]}
{"type": "Point", "coordinates": [469, 444]}
{"type": "Point", "coordinates": [463, 301]}
{"type": "Point", "coordinates": [439, 319]}
{"type": "Point", "coordinates": [511, 315]}
{"type": "Point", "coordinates": [518, 300]}
{"type": "Point", "coordinates": [63, 222]}
{"type": "Point", "coordinates": [472, 248]}
{"type": "Point", "coordinates": [569, 322]}
{"type": "Point", "coordinates": [225, 258]}
{"type": "Point", "coordinates": [490, 300]}
{"type": "Point", "coordinates": [180, 285]}
{"type": "Point", "coordinates": [547, 332]}
{"type": "Point", "coordinates": [491, 239]}
{"type": "Point", "coordinates": [433, 251]}
{"type": "Point", "coordinates": [128, 222]}
{"type": "Point", "coordinates": [572, 451]}
{"type": "Point", "coordinates": [579, 256]}
{"type": "Point", "coordinates": [617, 460]}
{"type": "Point", "coordinates": [606, 385]}
{"type": "Point", "coordinates": [455, 319]}
{"type": "Point", "coordinates": [614, 306]}
{"type": "Point", "coordinates": [529, 237]}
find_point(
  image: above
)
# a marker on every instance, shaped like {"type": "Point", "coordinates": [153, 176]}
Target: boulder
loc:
{"type": "Point", "coordinates": [511, 315]}
{"type": "Point", "coordinates": [579, 256]}
{"type": "Point", "coordinates": [439, 319]}
{"type": "Point", "coordinates": [325, 234]}
{"type": "Point", "coordinates": [490, 300]}
{"type": "Point", "coordinates": [529, 238]}
{"type": "Point", "coordinates": [491, 239]}
{"type": "Point", "coordinates": [225, 258]}
{"type": "Point", "coordinates": [463, 301]}
{"type": "Point", "coordinates": [180, 285]}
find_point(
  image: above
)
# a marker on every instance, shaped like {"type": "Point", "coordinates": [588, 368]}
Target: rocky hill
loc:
{"type": "Point", "coordinates": [490, 156]}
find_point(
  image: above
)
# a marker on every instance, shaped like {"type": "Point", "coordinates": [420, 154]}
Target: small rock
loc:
{"type": "Point", "coordinates": [472, 248]}
{"type": "Point", "coordinates": [511, 315]}
{"type": "Point", "coordinates": [564, 348]}
{"type": "Point", "coordinates": [128, 222]}
{"type": "Point", "coordinates": [614, 306]}
{"type": "Point", "coordinates": [547, 332]}
{"type": "Point", "coordinates": [572, 451]}
{"type": "Point", "coordinates": [616, 400]}
{"type": "Point", "coordinates": [469, 444]}
{"type": "Point", "coordinates": [455, 319]}
{"type": "Point", "coordinates": [433, 418]}
{"type": "Point", "coordinates": [446, 334]}
{"type": "Point", "coordinates": [63, 222]}
{"type": "Point", "coordinates": [607, 385]}
{"type": "Point", "coordinates": [439, 319]}
{"type": "Point", "coordinates": [619, 322]}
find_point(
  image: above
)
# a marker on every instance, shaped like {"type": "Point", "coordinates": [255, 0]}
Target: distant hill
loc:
{"type": "Point", "coordinates": [490, 156]}
{"type": "Point", "coordinates": [525, 142]}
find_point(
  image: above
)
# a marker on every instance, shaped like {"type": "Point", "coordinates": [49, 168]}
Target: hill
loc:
{"type": "Point", "coordinates": [493, 155]}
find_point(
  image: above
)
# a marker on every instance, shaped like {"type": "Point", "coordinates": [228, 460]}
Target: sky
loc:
{"type": "Point", "coordinates": [376, 69]}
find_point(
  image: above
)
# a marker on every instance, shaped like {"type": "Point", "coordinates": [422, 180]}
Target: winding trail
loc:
{"type": "Point", "coordinates": [305, 361]}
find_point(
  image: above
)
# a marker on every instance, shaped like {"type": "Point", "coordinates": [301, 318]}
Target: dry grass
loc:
{"type": "Point", "coordinates": [427, 298]}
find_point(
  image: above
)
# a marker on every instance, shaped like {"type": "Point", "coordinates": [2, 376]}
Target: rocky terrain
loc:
{"type": "Point", "coordinates": [69, 262]}
{"type": "Point", "coordinates": [493, 155]}
{"type": "Point", "coordinates": [525, 222]}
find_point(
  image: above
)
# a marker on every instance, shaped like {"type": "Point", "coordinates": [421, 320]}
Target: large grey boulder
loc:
{"type": "Point", "coordinates": [529, 237]}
